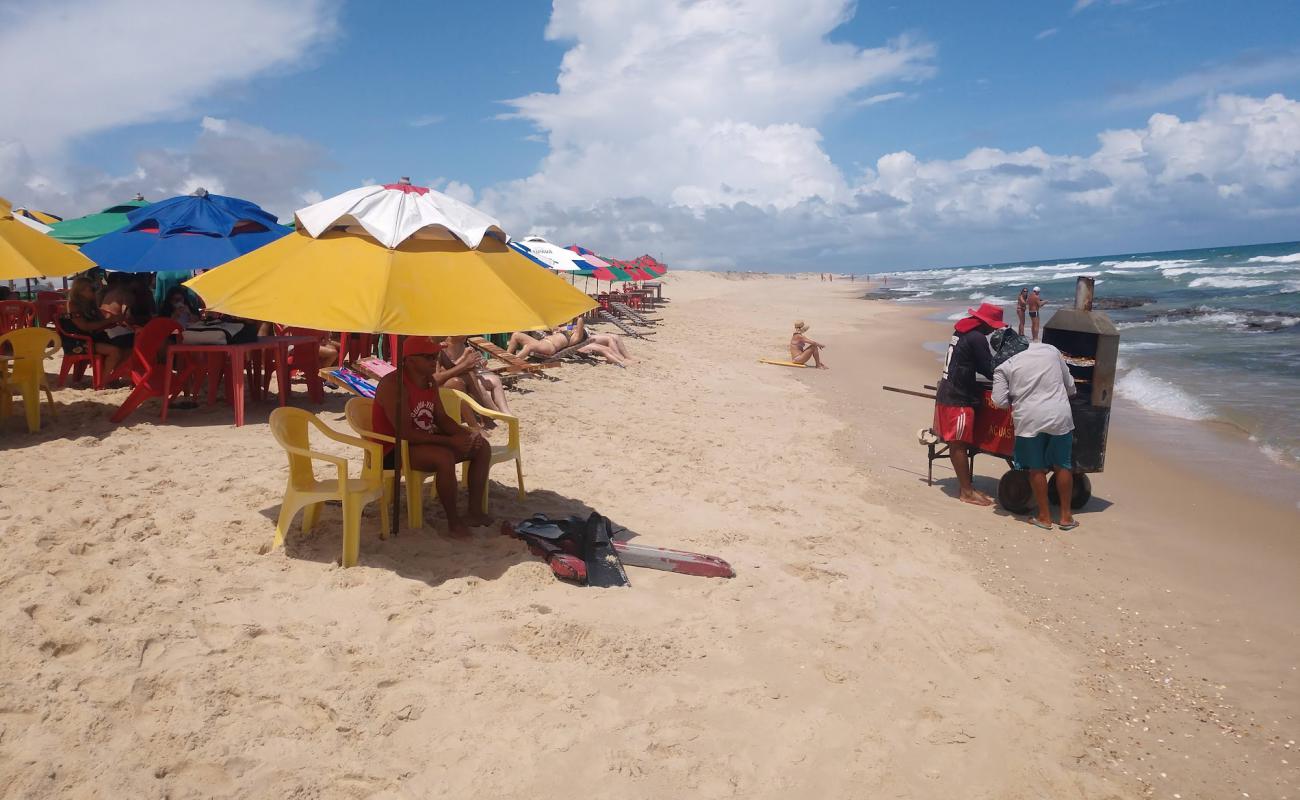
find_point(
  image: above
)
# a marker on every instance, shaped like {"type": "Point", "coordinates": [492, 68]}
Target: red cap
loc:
{"type": "Point", "coordinates": [989, 314]}
{"type": "Point", "coordinates": [420, 345]}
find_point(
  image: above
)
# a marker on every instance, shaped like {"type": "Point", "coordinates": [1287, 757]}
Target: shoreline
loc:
{"type": "Point", "coordinates": [1177, 591]}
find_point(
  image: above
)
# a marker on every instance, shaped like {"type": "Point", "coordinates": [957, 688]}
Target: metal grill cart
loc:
{"type": "Point", "coordinates": [1089, 341]}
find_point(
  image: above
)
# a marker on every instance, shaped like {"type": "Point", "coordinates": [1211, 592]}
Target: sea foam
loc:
{"type": "Point", "coordinates": [1159, 395]}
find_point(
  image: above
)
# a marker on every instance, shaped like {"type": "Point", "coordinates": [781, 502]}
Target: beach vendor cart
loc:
{"type": "Point", "coordinates": [1089, 341]}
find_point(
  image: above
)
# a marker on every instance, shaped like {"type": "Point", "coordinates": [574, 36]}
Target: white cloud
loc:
{"type": "Point", "coordinates": [1046, 34]}
{"type": "Point", "coordinates": [83, 66]}
{"type": "Point", "coordinates": [427, 120]}
{"type": "Point", "coordinates": [700, 103]}
{"type": "Point", "coordinates": [226, 157]}
{"type": "Point", "coordinates": [1211, 80]}
{"type": "Point", "coordinates": [877, 99]}
{"type": "Point", "coordinates": [692, 128]}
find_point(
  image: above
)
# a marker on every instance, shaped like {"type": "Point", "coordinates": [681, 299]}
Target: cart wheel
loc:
{"type": "Point", "coordinates": [1014, 492]}
{"type": "Point", "coordinates": [1082, 492]}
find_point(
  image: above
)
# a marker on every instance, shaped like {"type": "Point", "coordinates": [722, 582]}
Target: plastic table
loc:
{"type": "Point", "coordinates": [238, 355]}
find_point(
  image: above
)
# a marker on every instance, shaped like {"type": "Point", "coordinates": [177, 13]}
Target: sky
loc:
{"type": "Point", "coordinates": [723, 134]}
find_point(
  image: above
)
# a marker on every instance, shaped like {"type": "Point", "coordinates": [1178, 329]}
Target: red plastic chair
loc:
{"type": "Point", "coordinates": [49, 306]}
{"type": "Point", "coordinates": [15, 314]}
{"type": "Point", "coordinates": [147, 371]}
{"type": "Point", "coordinates": [76, 363]}
{"type": "Point", "coordinates": [303, 359]}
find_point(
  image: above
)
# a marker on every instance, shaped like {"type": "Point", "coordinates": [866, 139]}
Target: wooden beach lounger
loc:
{"type": "Point", "coordinates": [626, 311]}
{"type": "Point", "coordinates": [620, 324]}
{"type": "Point", "coordinates": [779, 363]}
{"type": "Point", "coordinates": [514, 364]}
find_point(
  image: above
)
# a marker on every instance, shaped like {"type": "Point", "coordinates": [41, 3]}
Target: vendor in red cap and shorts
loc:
{"type": "Point", "coordinates": [959, 392]}
{"type": "Point", "coordinates": [437, 442]}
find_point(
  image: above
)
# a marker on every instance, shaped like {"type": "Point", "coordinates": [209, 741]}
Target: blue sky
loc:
{"type": "Point", "coordinates": [727, 133]}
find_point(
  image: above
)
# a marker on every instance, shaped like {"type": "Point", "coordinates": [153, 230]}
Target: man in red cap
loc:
{"type": "Point", "coordinates": [437, 442]}
{"type": "Point", "coordinates": [959, 392]}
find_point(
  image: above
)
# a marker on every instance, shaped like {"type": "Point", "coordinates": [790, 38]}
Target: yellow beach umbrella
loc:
{"type": "Point", "coordinates": [392, 259]}
{"type": "Point", "coordinates": [424, 287]}
{"type": "Point", "coordinates": [27, 253]}
{"type": "Point", "coordinates": [397, 259]}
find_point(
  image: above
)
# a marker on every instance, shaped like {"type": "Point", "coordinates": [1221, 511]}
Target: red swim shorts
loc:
{"type": "Point", "coordinates": [954, 423]}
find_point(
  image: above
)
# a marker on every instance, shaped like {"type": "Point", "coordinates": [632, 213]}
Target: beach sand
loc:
{"type": "Point", "coordinates": [880, 638]}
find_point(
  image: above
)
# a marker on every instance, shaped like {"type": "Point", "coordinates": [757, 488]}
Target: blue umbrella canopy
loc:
{"type": "Point", "coordinates": [198, 231]}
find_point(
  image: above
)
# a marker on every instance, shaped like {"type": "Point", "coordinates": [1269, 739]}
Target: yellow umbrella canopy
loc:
{"type": "Point", "coordinates": [392, 259]}
{"type": "Point", "coordinates": [27, 253]}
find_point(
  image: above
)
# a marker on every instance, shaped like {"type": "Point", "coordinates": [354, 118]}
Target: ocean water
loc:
{"type": "Point", "coordinates": [1209, 334]}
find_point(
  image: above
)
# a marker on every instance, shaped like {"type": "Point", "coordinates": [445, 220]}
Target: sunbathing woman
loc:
{"type": "Point", "coordinates": [608, 345]}
{"type": "Point", "coordinates": [802, 348]}
{"type": "Point", "coordinates": [461, 367]}
{"type": "Point", "coordinates": [524, 345]}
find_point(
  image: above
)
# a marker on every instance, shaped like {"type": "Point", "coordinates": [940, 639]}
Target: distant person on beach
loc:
{"type": "Point", "coordinates": [1035, 382]}
{"type": "Point", "coordinates": [959, 392]}
{"type": "Point", "coordinates": [1022, 303]}
{"type": "Point", "coordinates": [437, 442]}
{"type": "Point", "coordinates": [802, 349]}
{"type": "Point", "coordinates": [1035, 304]}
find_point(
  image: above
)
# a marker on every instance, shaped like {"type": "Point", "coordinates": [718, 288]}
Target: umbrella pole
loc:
{"type": "Point", "coordinates": [399, 463]}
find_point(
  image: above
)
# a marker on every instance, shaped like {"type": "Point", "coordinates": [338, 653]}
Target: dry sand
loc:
{"type": "Point", "coordinates": [880, 640]}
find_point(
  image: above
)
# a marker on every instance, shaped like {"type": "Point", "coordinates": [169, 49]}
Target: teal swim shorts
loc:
{"type": "Point", "coordinates": [1044, 451]}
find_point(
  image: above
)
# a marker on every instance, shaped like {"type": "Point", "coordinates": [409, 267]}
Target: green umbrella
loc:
{"type": "Point", "coordinates": [85, 229]}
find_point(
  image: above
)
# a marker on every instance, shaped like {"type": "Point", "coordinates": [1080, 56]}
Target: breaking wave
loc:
{"type": "Point", "coordinates": [1228, 282]}
{"type": "Point", "coordinates": [1159, 395]}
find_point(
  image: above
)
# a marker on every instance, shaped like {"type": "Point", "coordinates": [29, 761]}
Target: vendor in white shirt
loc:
{"type": "Point", "coordinates": [1033, 379]}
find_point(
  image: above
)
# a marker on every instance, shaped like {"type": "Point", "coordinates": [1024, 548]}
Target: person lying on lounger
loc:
{"type": "Point", "coordinates": [461, 367]}
{"type": "Point", "coordinates": [557, 339]}
{"type": "Point", "coordinates": [602, 343]}
{"type": "Point", "coordinates": [802, 348]}
{"type": "Point", "coordinates": [437, 442]}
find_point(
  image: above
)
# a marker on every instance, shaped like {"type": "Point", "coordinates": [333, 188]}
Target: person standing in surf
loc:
{"type": "Point", "coordinates": [1022, 303]}
{"type": "Point", "coordinates": [1035, 305]}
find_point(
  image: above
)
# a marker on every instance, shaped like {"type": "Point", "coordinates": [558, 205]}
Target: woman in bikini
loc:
{"type": "Point", "coordinates": [802, 348]}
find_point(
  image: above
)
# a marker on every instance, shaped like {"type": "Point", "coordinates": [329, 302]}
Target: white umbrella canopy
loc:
{"type": "Point", "coordinates": [552, 255]}
{"type": "Point", "coordinates": [391, 217]}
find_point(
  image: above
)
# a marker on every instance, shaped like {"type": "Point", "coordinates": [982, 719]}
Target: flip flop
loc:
{"type": "Point", "coordinates": [1047, 526]}
{"type": "Point", "coordinates": [1068, 526]}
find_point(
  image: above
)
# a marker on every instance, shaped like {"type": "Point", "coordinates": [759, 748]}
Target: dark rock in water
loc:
{"type": "Point", "coordinates": [887, 294]}
{"type": "Point", "coordinates": [1113, 303]}
{"type": "Point", "coordinates": [1245, 319]}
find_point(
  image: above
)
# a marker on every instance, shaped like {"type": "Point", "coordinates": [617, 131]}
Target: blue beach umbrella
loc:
{"type": "Point", "coordinates": [183, 234]}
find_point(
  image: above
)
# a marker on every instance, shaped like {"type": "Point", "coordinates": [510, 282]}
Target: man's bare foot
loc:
{"type": "Point", "coordinates": [822, 366]}
{"type": "Point", "coordinates": [976, 498]}
{"type": "Point", "coordinates": [457, 530]}
{"type": "Point", "coordinates": [479, 520]}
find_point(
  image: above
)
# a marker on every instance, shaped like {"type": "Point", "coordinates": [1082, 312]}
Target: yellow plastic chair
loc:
{"type": "Point", "coordinates": [26, 374]}
{"type": "Point", "coordinates": [291, 428]}
{"type": "Point", "coordinates": [453, 400]}
{"type": "Point", "coordinates": [358, 412]}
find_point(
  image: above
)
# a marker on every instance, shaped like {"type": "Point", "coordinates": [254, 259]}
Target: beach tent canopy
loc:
{"type": "Point", "coordinates": [649, 264]}
{"type": "Point", "coordinates": [31, 222]}
{"type": "Point", "coordinates": [603, 269]}
{"type": "Point", "coordinates": [393, 259]}
{"type": "Point", "coordinates": [26, 253]}
{"type": "Point", "coordinates": [80, 230]}
{"type": "Point", "coordinates": [187, 233]}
